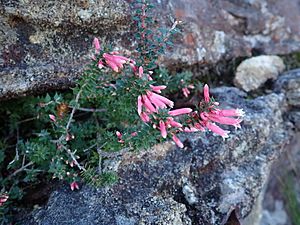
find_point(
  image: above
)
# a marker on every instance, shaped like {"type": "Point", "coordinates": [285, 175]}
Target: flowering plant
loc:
{"type": "Point", "coordinates": [121, 103]}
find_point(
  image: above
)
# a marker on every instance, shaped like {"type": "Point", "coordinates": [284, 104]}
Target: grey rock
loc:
{"type": "Point", "coordinates": [45, 44]}
{"type": "Point", "coordinates": [200, 184]}
{"type": "Point", "coordinates": [289, 84]}
{"type": "Point", "coordinates": [254, 72]}
{"type": "Point", "coordinates": [276, 217]}
{"type": "Point", "coordinates": [275, 203]}
{"type": "Point", "coordinates": [294, 117]}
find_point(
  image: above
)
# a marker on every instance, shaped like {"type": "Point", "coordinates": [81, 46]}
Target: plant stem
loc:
{"type": "Point", "coordinates": [20, 170]}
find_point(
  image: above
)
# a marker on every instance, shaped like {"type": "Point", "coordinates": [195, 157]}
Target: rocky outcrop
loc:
{"type": "Point", "coordinates": [201, 184]}
{"type": "Point", "coordinates": [283, 183]}
{"type": "Point", "coordinates": [45, 44]}
{"type": "Point", "coordinates": [289, 84]}
{"type": "Point", "coordinates": [254, 72]}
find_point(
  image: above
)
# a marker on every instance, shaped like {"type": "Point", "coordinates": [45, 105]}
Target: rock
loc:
{"type": "Point", "coordinates": [276, 217]}
{"type": "Point", "coordinates": [254, 72]}
{"type": "Point", "coordinates": [200, 184]}
{"type": "Point", "coordinates": [44, 45]}
{"type": "Point", "coordinates": [275, 203]}
{"type": "Point", "coordinates": [218, 30]}
{"type": "Point", "coordinates": [289, 84]}
{"type": "Point", "coordinates": [294, 117]}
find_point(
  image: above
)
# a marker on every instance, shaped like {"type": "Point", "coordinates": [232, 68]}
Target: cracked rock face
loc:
{"type": "Point", "coordinates": [201, 184]}
{"type": "Point", "coordinates": [44, 44]}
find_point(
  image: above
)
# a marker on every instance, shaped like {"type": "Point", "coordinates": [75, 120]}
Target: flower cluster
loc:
{"type": "Point", "coordinates": [154, 108]}
{"type": "Point", "coordinates": [186, 88]}
{"type": "Point", "coordinates": [211, 114]}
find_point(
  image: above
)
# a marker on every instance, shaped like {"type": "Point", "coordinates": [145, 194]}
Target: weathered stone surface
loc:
{"type": "Point", "coordinates": [45, 44]}
{"type": "Point", "coordinates": [289, 84]}
{"type": "Point", "coordinates": [294, 117]}
{"type": "Point", "coordinates": [200, 184]}
{"type": "Point", "coordinates": [278, 216]}
{"type": "Point", "coordinates": [254, 72]}
{"type": "Point", "coordinates": [275, 204]}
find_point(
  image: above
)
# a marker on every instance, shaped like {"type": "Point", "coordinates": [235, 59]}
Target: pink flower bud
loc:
{"type": "Point", "coordinates": [74, 186]}
{"type": "Point", "coordinates": [145, 118]}
{"type": "Point", "coordinates": [181, 111]}
{"type": "Point", "coordinates": [158, 89]}
{"type": "Point", "coordinates": [177, 141]}
{"type": "Point", "coordinates": [3, 199]}
{"type": "Point", "coordinates": [69, 137]}
{"type": "Point", "coordinates": [173, 123]}
{"type": "Point", "coordinates": [133, 134]}
{"type": "Point", "coordinates": [162, 128]}
{"type": "Point", "coordinates": [206, 93]}
{"type": "Point", "coordinates": [119, 135]}
{"type": "Point", "coordinates": [217, 130]}
{"type": "Point", "coordinates": [232, 112]}
{"type": "Point", "coordinates": [186, 92]}
{"type": "Point", "coordinates": [97, 45]}
{"type": "Point", "coordinates": [52, 117]}
{"type": "Point", "coordinates": [139, 104]}
{"type": "Point", "coordinates": [141, 72]}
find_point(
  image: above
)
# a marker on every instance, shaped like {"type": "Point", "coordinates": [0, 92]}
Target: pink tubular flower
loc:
{"type": "Point", "coordinates": [162, 128]}
{"type": "Point", "coordinates": [145, 117]}
{"type": "Point", "coordinates": [69, 137]}
{"type": "Point", "coordinates": [160, 98]}
{"type": "Point", "coordinates": [156, 101]}
{"type": "Point", "coordinates": [141, 72]}
{"type": "Point", "coordinates": [216, 129]}
{"type": "Point", "coordinates": [186, 92]}
{"type": "Point", "coordinates": [52, 117]}
{"type": "Point", "coordinates": [181, 111]}
{"type": "Point", "coordinates": [3, 199]}
{"type": "Point", "coordinates": [72, 163]}
{"type": "Point", "coordinates": [97, 45]}
{"type": "Point", "coordinates": [177, 141]}
{"type": "Point", "coordinates": [115, 61]}
{"type": "Point", "coordinates": [133, 134]}
{"type": "Point", "coordinates": [199, 127]}
{"type": "Point", "coordinates": [148, 103]}
{"type": "Point", "coordinates": [151, 102]}
{"type": "Point", "coordinates": [74, 186]}
{"type": "Point", "coordinates": [119, 135]}
{"type": "Point", "coordinates": [133, 66]}
{"type": "Point", "coordinates": [224, 120]}
{"type": "Point", "coordinates": [158, 89]}
{"type": "Point", "coordinates": [169, 123]}
{"type": "Point", "coordinates": [213, 114]}
{"type": "Point", "coordinates": [100, 64]}
{"type": "Point", "coordinates": [190, 129]}
{"type": "Point", "coordinates": [139, 104]}
{"type": "Point", "coordinates": [231, 112]}
{"type": "Point", "coordinates": [172, 123]}
{"type": "Point", "coordinates": [206, 93]}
